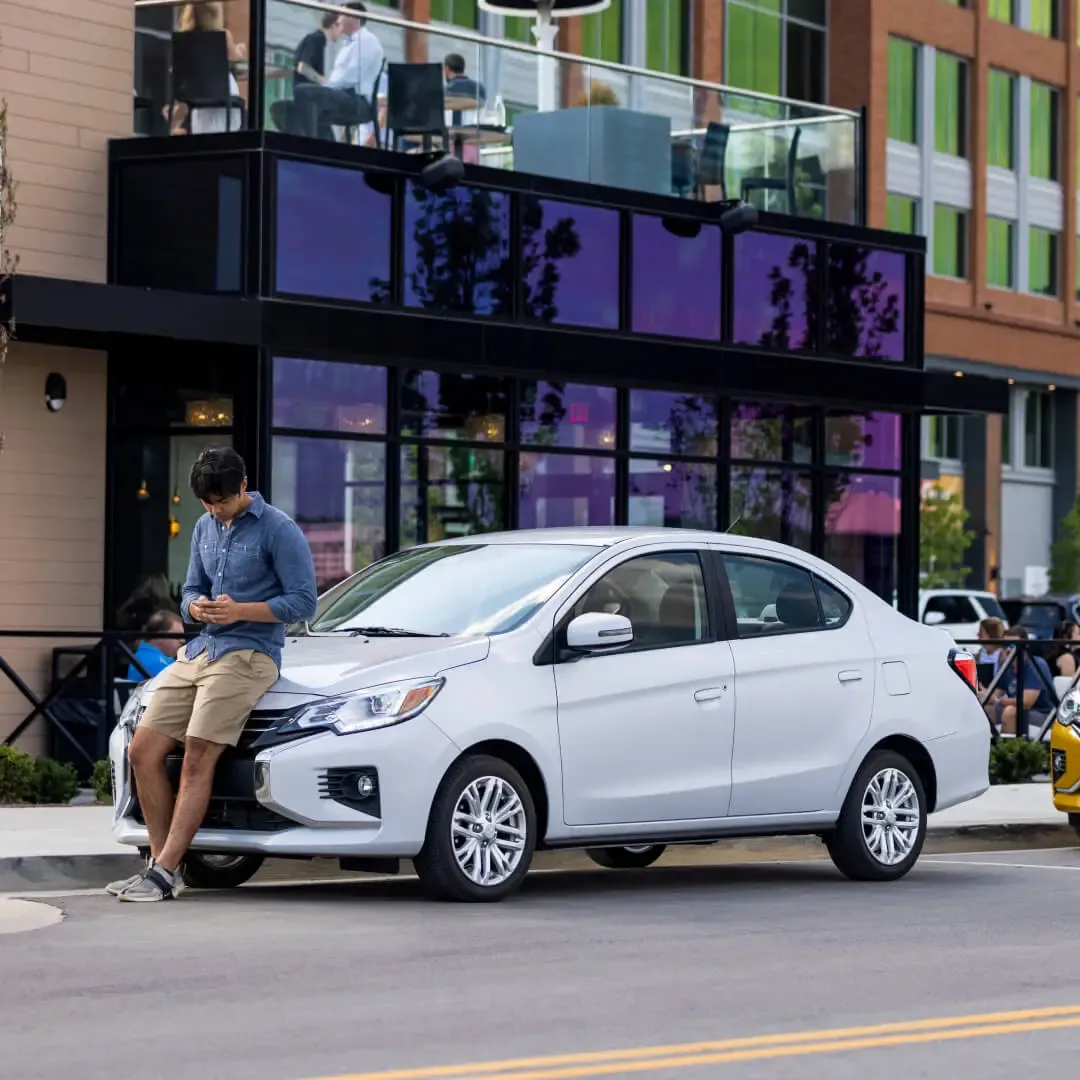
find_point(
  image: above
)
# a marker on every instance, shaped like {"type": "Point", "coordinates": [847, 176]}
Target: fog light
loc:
{"type": "Point", "coordinates": [365, 786]}
{"type": "Point", "coordinates": [262, 781]}
{"type": "Point", "coordinates": [1058, 763]}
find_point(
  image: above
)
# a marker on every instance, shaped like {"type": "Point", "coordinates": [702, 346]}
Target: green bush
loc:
{"type": "Point", "coordinates": [16, 775]}
{"type": "Point", "coordinates": [101, 781]}
{"type": "Point", "coordinates": [1015, 761]}
{"type": "Point", "coordinates": [54, 782]}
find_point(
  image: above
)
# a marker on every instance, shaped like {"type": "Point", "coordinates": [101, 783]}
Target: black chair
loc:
{"type": "Point", "coordinates": [786, 184]}
{"type": "Point", "coordinates": [200, 73]}
{"type": "Point", "coordinates": [416, 101]}
{"type": "Point", "coordinates": [712, 161]}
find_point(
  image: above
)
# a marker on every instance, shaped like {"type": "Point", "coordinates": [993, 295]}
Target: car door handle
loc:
{"type": "Point", "coordinates": [850, 676]}
{"type": "Point", "coordinates": [711, 693]}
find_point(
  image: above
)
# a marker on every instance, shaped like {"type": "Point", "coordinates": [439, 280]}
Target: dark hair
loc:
{"type": "Point", "coordinates": [1017, 631]}
{"type": "Point", "coordinates": [218, 473]}
{"type": "Point", "coordinates": [455, 63]}
{"type": "Point", "coordinates": [329, 19]}
{"type": "Point", "coordinates": [360, 10]}
{"type": "Point", "coordinates": [161, 622]}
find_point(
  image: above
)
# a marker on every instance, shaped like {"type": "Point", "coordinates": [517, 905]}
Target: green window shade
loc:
{"type": "Point", "coordinates": [456, 12]}
{"type": "Point", "coordinates": [999, 253]}
{"type": "Point", "coordinates": [1043, 17]}
{"type": "Point", "coordinates": [754, 46]}
{"type": "Point", "coordinates": [902, 89]}
{"type": "Point", "coordinates": [950, 105]}
{"type": "Point", "coordinates": [665, 36]}
{"type": "Point", "coordinates": [900, 214]}
{"type": "Point", "coordinates": [1044, 124]}
{"type": "Point", "coordinates": [1042, 262]}
{"type": "Point", "coordinates": [1003, 10]}
{"type": "Point", "coordinates": [515, 29]}
{"type": "Point", "coordinates": [1000, 120]}
{"type": "Point", "coordinates": [601, 34]}
{"type": "Point", "coordinates": [950, 242]}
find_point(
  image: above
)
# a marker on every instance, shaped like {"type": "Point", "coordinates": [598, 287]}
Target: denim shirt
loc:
{"type": "Point", "coordinates": [261, 556]}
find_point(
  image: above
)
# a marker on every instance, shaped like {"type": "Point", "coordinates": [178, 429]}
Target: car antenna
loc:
{"type": "Point", "coordinates": [733, 524]}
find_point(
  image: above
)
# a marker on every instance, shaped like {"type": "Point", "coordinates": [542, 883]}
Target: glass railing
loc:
{"type": "Point", "coordinates": [413, 87]}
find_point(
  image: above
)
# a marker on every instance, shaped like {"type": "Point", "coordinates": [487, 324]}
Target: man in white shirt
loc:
{"type": "Point", "coordinates": [348, 96]}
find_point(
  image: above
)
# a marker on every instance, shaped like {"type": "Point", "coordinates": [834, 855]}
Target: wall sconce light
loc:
{"type": "Point", "coordinates": [144, 492]}
{"type": "Point", "coordinates": [55, 392]}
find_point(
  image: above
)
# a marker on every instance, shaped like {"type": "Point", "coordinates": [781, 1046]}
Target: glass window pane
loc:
{"type": "Point", "coordinates": [999, 253]}
{"type": "Point", "coordinates": [565, 490]}
{"type": "Point", "coordinates": [336, 492]}
{"type": "Point", "coordinates": [950, 105]}
{"type": "Point", "coordinates": [440, 405]}
{"type": "Point", "coordinates": [1006, 440]}
{"type": "Point", "coordinates": [867, 440]}
{"type": "Point", "coordinates": [900, 214]}
{"type": "Point", "coordinates": [322, 395]}
{"type": "Point", "coordinates": [1044, 132]}
{"type": "Point", "coordinates": [675, 280]}
{"type": "Point", "coordinates": [835, 606]}
{"type": "Point", "coordinates": [771, 504]}
{"type": "Point", "coordinates": [866, 302]}
{"type": "Point", "coordinates": [663, 423]}
{"type": "Point", "coordinates": [772, 432]}
{"type": "Point", "coordinates": [570, 263]}
{"type": "Point", "coordinates": [1001, 127]}
{"type": "Point", "coordinates": [775, 288]}
{"type": "Point", "coordinates": [449, 491]}
{"type": "Point", "coordinates": [771, 597]}
{"type": "Point", "coordinates": [1046, 430]}
{"type": "Point", "coordinates": [753, 44]}
{"type": "Point", "coordinates": [456, 12]}
{"type": "Point", "coordinates": [567, 414]}
{"type": "Point", "coordinates": [516, 29]}
{"type": "Point", "coordinates": [673, 494]}
{"type": "Point", "coordinates": [601, 33]}
{"type": "Point", "coordinates": [950, 242]}
{"type": "Point", "coordinates": [805, 66]}
{"type": "Point", "coordinates": [1042, 262]}
{"type": "Point", "coordinates": [665, 27]}
{"type": "Point", "coordinates": [1043, 17]}
{"type": "Point", "coordinates": [862, 529]}
{"type": "Point", "coordinates": [333, 233]}
{"type": "Point", "coordinates": [903, 107]}
{"type": "Point", "coordinates": [1003, 10]}
{"type": "Point", "coordinates": [457, 250]}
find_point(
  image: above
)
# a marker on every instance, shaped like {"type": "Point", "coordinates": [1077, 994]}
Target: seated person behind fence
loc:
{"type": "Point", "coordinates": [347, 96]}
{"type": "Point", "coordinates": [155, 654]}
{"type": "Point", "coordinates": [1037, 702]}
{"type": "Point", "coordinates": [990, 630]}
{"type": "Point", "coordinates": [250, 575]}
{"type": "Point", "coordinates": [1062, 659]}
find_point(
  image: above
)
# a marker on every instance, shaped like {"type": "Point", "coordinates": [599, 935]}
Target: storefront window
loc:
{"type": "Point", "coordinates": [775, 290]}
{"type": "Point", "coordinates": [438, 405]}
{"type": "Point", "coordinates": [673, 494]}
{"type": "Point", "coordinates": [565, 490]}
{"type": "Point", "coordinates": [321, 395]}
{"type": "Point", "coordinates": [862, 529]}
{"type": "Point", "coordinates": [771, 504]}
{"type": "Point", "coordinates": [570, 263]}
{"type": "Point", "coordinates": [567, 414]}
{"type": "Point", "coordinates": [772, 433]}
{"type": "Point", "coordinates": [863, 440]}
{"type": "Point", "coordinates": [663, 423]}
{"type": "Point", "coordinates": [449, 491]}
{"type": "Point", "coordinates": [675, 278]}
{"type": "Point", "coordinates": [866, 302]}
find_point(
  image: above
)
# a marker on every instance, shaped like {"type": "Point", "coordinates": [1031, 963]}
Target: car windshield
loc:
{"type": "Point", "coordinates": [456, 590]}
{"type": "Point", "coordinates": [1041, 617]}
{"type": "Point", "coordinates": [992, 608]}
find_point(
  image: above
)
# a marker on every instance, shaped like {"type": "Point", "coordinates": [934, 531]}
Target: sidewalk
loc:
{"type": "Point", "coordinates": [58, 847]}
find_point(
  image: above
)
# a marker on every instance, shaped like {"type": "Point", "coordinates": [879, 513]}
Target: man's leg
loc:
{"type": "Point", "coordinates": [200, 761]}
{"type": "Point", "coordinates": [147, 754]}
{"type": "Point", "coordinates": [1008, 720]}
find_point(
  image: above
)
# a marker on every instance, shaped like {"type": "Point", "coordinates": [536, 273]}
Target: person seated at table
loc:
{"type": "Point", "coordinates": [155, 654]}
{"type": "Point", "coordinates": [310, 55]}
{"type": "Point", "coordinates": [1062, 659]}
{"type": "Point", "coordinates": [1037, 702]}
{"type": "Point", "coordinates": [461, 85]}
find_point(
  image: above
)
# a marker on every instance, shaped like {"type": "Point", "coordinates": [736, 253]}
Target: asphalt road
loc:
{"type": "Point", "coordinates": [764, 970]}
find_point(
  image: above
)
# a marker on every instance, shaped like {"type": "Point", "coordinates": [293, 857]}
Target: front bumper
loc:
{"type": "Point", "coordinates": [1065, 768]}
{"type": "Point", "coordinates": [281, 801]}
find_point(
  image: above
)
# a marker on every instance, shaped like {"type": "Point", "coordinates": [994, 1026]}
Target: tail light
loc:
{"type": "Point", "coordinates": [963, 663]}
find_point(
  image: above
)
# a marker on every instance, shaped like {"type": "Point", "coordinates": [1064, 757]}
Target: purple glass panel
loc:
{"type": "Point", "coordinates": [457, 250]}
{"type": "Point", "coordinates": [321, 395]}
{"type": "Point", "coordinates": [450, 491]}
{"type": "Point", "coordinates": [665, 423]}
{"type": "Point", "coordinates": [570, 263]}
{"type": "Point", "coordinates": [565, 489]}
{"type": "Point", "coordinates": [675, 280]}
{"type": "Point", "coordinates": [862, 529]}
{"type": "Point", "coordinates": [567, 414]}
{"type": "Point", "coordinates": [333, 234]}
{"type": "Point", "coordinates": [772, 504]}
{"type": "Point", "coordinates": [448, 406]}
{"type": "Point", "coordinates": [774, 292]}
{"type": "Point", "coordinates": [336, 492]}
{"type": "Point", "coordinates": [772, 432]}
{"type": "Point", "coordinates": [866, 302]}
{"type": "Point", "coordinates": [865, 440]}
{"type": "Point", "coordinates": [676, 494]}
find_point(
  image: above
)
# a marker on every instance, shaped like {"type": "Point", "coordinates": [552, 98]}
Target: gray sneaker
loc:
{"type": "Point", "coordinates": [155, 883]}
{"type": "Point", "coordinates": [115, 888]}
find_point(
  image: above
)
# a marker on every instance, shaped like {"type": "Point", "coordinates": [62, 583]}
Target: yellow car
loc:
{"type": "Point", "coordinates": [1065, 758]}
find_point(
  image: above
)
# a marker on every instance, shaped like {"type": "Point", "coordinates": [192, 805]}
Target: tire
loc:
{"type": "Point", "coordinates": [445, 868]}
{"type": "Point", "coordinates": [626, 858]}
{"type": "Point", "coordinates": [1074, 821]}
{"type": "Point", "coordinates": [852, 846]}
{"type": "Point", "coordinates": [203, 870]}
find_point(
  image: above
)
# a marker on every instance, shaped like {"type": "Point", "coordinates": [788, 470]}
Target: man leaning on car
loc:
{"type": "Point", "coordinates": [250, 575]}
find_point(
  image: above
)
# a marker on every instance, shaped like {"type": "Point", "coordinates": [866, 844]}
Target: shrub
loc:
{"type": "Point", "coordinates": [101, 782]}
{"type": "Point", "coordinates": [16, 775]}
{"type": "Point", "coordinates": [54, 782]}
{"type": "Point", "coordinates": [1015, 761]}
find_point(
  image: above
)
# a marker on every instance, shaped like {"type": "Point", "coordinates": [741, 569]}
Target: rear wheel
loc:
{"type": "Point", "coordinates": [626, 858]}
{"type": "Point", "coordinates": [882, 826]}
{"type": "Point", "coordinates": [1074, 821]}
{"type": "Point", "coordinates": [203, 870]}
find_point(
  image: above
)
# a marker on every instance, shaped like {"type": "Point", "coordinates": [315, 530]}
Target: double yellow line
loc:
{"type": "Point", "coordinates": [754, 1048]}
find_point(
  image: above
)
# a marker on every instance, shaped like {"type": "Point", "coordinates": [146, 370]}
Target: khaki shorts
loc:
{"type": "Point", "coordinates": [207, 699]}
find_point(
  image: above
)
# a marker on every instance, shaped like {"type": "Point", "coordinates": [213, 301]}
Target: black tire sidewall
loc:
{"type": "Point", "coordinates": [621, 858]}
{"type": "Point", "coordinates": [199, 874]}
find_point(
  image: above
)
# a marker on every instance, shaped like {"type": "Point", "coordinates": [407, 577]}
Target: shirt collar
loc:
{"type": "Point", "coordinates": [258, 505]}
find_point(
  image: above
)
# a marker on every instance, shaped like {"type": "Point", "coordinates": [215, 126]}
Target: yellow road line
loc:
{"type": "Point", "coordinates": [656, 1057]}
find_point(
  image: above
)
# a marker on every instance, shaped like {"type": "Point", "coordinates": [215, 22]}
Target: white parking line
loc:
{"type": "Point", "coordinates": [1008, 865]}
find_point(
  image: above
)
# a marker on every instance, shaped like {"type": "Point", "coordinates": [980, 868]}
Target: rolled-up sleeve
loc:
{"type": "Point", "coordinates": [197, 583]}
{"type": "Point", "coordinates": [295, 570]}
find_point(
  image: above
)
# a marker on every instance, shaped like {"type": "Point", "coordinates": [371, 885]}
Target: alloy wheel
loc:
{"type": "Point", "coordinates": [488, 831]}
{"type": "Point", "coordinates": [891, 816]}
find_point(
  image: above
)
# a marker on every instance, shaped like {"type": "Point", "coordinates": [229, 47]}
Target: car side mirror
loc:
{"type": "Point", "coordinates": [934, 618]}
{"type": "Point", "coordinates": [598, 631]}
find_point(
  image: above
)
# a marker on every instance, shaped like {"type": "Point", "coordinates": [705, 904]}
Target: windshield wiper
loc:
{"type": "Point", "coordinates": [383, 631]}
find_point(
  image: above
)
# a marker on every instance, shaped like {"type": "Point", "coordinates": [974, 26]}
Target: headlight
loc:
{"type": "Point", "coordinates": [130, 712]}
{"type": "Point", "coordinates": [1069, 709]}
{"type": "Point", "coordinates": [375, 707]}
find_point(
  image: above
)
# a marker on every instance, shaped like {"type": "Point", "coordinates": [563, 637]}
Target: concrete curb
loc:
{"type": "Point", "coordinates": [48, 873]}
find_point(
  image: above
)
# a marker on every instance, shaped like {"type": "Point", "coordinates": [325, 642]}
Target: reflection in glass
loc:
{"type": "Point", "coordinates": [772, 432]}
{"type": "Point", "coordinates": [774, 292]}
{"type": "Point", "coordinates": [672, 494]}
{"type": "Point", "coordinates": [570, 263]}
{"type": "Point", "coordinates": [675, 279]}
{"type": "Point", "coordinates": [567, 414]}
{"type": "Point", "coordinates": [321, 395]}
{"type": "Point", "coordinates": [457, 250]}
{"type": "Point", "coordinates": [862, 529]}
{"type": "Point", "coordinates": [447, 406]}
{"type": "Point", "coordinates": [863, 440]}
{"type": "Point", "coordinates": [565, 489]}
{"type": "Point", "coordinates": [772, 504]}
{"type": "Point", "coordinates": [335, 490]}
{"type": "Point", "coordinates": [664, 423]}
{"type": "Point", "coordinates": [866, 302]}
{"type": "Point", "coordinates": [333, 234]}
{"type": "Point", "coordinates": [449, 491]}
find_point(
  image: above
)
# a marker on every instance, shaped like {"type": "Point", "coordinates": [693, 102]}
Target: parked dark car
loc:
{"type": "Point", "coordinates": [1041, 614]}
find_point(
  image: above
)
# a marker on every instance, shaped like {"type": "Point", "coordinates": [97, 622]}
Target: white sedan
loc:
{"type": "Point", "coordinates": [462, 704]}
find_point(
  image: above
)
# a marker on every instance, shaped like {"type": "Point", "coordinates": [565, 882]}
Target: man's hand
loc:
{"type": "Point", "coordinates": [221, 611]}
{"type": "Point", "coordinates": [198, 609]}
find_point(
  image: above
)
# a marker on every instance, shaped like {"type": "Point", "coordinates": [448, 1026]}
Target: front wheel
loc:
{"type": "Point", "coordinates": [882, 825]}
{"type": "Point", "coordinates": [626, 858]}
{"type": "Point", "coordinates": [203, 870]}
{"type": "Point", "coordinates": [1074, 821]}
{"type": "Point", "coordinates": [481, 833]}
